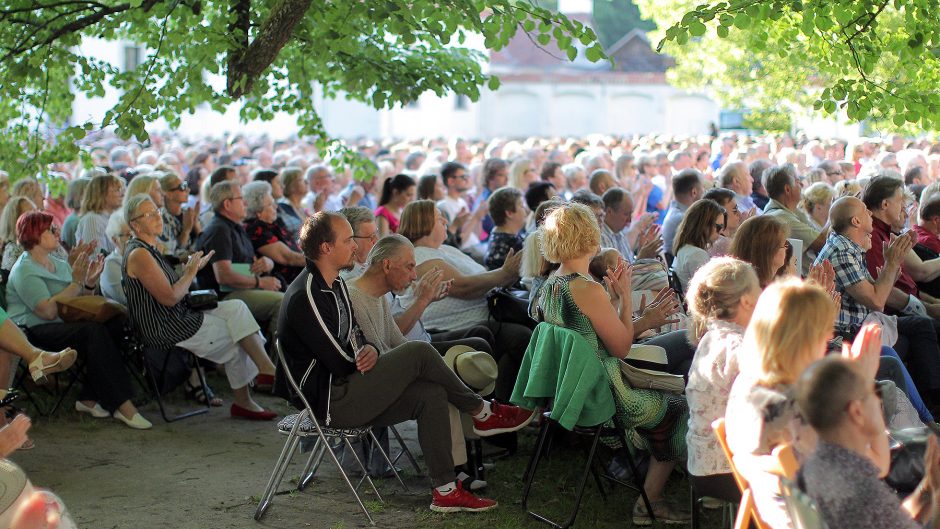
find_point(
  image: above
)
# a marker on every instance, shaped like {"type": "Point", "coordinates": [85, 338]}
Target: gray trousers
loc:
{"type": "Point", "coordinates": [409, 382]}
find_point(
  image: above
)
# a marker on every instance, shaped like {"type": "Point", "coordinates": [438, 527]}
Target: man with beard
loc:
{"type": "Point", "coordinates": [324, 348]}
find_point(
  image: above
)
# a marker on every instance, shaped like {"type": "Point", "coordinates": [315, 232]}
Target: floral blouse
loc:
{"type": "Point", "coordinates": [262, 234]}
{"type": "Point", "coordinates": [714, 368]}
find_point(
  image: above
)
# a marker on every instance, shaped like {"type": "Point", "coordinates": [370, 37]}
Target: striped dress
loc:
{"type": "Point", "coordinates": [158, 325]}
{"type": "Point", "coordinates": [657, 421]}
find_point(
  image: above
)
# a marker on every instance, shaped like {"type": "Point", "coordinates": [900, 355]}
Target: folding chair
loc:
{"type": "Point", "coordinates": [305, 424]}
{"type": "Point", "coordinates": [552, 345]}
{"type": "Point", "coordinates": [781, 462]}
{"type": "Point", "coordinates": [595, 432]}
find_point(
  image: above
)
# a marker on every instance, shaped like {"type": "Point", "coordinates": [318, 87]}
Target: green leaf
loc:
{"type": "Point", "coordinates": [722, 31]}
{"type": "Point", "coordinates": [742, 21]}
{"type": "Point", "coordinates": [493, 83]}
{"type": "Point", "coordinates": [697, 29]}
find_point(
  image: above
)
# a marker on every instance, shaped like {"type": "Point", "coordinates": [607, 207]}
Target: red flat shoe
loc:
{"type": "Point", "coordinates": [264, 382]}
{"type": "Point", "coordinates": [265, 415]}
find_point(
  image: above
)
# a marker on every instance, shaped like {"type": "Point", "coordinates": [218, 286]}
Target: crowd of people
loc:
{"type": "Point", "coordinates": [764, 267]}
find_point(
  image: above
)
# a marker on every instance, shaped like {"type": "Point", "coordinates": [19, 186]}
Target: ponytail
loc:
{"type": "Point", "coordinates": [399, 182]}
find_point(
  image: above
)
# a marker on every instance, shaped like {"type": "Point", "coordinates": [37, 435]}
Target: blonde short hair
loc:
{"type": "Point", "coordinates": [569, 232]}
{"type": "Point", "coordinates": [790, 320]}
{"type": "Point", "coordinates": [95, 199]}
{"type": "Point", "coordinates": [816, 194]}
{"type": "Point", "coordinates": [716, 290]}
{"type": "Point", "coordinates": [141, 184]}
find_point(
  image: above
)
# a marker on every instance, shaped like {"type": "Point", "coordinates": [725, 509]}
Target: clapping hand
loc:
{"type": "Point", "coordinates": [431, 286]}
{"type": "Point", "coordinates": [664, 305]}
{"type": "Point", "coordinates": [618, 280]}
{"type": "Point", "coordinates": [824, 275]}
{"type": "Point", "coordinates": [196, 262]}
{"type": "Point", "coordinates": [865, 352]}
{"type": "Point", "coordinates": [650, 242]}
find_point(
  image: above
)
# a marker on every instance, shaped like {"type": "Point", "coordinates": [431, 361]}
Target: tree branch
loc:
{"type": "Point", "coordinates": [246, 63]}
{"type": "Point", "coordinates": [73, 27]}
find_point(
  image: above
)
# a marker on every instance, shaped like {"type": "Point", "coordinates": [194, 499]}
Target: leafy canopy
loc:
{"type": "Point", "coordinates": [271, 54]}
{"type": "Point", "coordinates": [875, 60]}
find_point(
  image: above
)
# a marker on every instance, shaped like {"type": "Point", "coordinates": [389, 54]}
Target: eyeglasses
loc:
{"type": "Point", "coordinates": [182, 187]}
{"type": "Point", "coordinates": [236, 198]}
{"type": "Point", "coordinates": [374, 236]}
{"type": "Point", "coordinates": [153, 213]}
{"type": "Point", "coordinates": [719, 227]}
{"type": "Point", "coordinates": [53, 229]}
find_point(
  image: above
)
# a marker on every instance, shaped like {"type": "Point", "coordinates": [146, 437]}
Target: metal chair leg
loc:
{"type": "Point", "coordinates": [391, 464]}
{"type": "Point", "coordinates": [306, 476]}
{"type": "Point", "coordinates": [696, 501]}
{"type": "Point", "coordinates": [404, 450]}
{"type": "Point", "coordinates": [278, 473]}
{"type": "Point", "coordinates": [365, 472]}
{"type": "Point", "coordinates": [339, 467]}
{"type": "Point", "coordinates": [529, 476]}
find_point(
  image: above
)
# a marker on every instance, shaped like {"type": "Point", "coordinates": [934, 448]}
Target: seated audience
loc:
{"type": "Point", "coordinates": [817, 199]}
{"type": "Point", "coordinates": [410, 381]}
{"type": "Point", "coordinates": [762, 242]}
{"type": "Point", "coordinates": [397, 192]}
{"type": "Point", "coordinates": [38, 281]}
{"type": "Point", "coordinates": [843, 475]}
{"type": "Point", "coordinates": [430, 187]}
{"type": "Point", "coordinates": [227, 334]}
{"type": "Point", "coordinates": [16, 207]}
{"type": "Point", "coordinates": [537, 193]}
{"type": "Point", "coordinates": [509, 216]}
{"type": "Point", "coordinates": [736, 177]}
{"type": "Point", "coordinates": [366, 233]}
{"type": "Point", "coordinates": [761, 412]}
{"type": "Point", "coordinates": [290, 207]}
{"type": "Point", "coordinates": [722, 297]}
{"type": "Point", "coordinates": [783, 187]}
{"type": "Point", "coordinates": [726, 199]}
{"type": "Point", "coordinates": [570, 237]}
{"type": "Point", "coordinates": [424, 225]}
{"type": "Point", "coordinates": [618, 219]}
{"type": "Point", "coordinates": [29, 188]}
{"type": "Point", "coordinates": [699, 229]}
{"type": "Point", "coordinates": [269, 237]}
{"type": "Point", "coordinates": [119, 232]}
{"type": "Point", "coordinates": [686, 188]}
{"type": "Point", "coordinates": [104, 195]}
{"type": "Point", "coordinates": [73, 199]}
{"type": "Point", "coordinates": [236, 273]}
{"type": "Point", "coordinates": [864, 298]}
{"type": "Point", "coordinates": [180, 222]}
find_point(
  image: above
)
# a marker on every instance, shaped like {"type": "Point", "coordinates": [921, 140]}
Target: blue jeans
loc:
{"type": "Point", "coordinates": [908, 387]}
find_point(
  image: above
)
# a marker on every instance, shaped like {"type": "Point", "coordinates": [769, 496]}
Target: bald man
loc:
{"type": "Point", "coordinates": [848, 241]}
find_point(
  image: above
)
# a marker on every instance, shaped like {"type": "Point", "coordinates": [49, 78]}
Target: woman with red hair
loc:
{"type": "Point", "coordinates": [38, 281]}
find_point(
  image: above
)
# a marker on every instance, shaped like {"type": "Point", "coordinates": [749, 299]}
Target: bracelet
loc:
{"type": "Point", "coordinates": [88, 287]}
{"type": "Point", "coordinates": [257, 281]}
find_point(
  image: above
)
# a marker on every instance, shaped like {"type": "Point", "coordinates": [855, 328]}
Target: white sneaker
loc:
{"type": "Point", "coordinates": [136, 422]}
{"type": "Point", "coordinates": [96, 411]}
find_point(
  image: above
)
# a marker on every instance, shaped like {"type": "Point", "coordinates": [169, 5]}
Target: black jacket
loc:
{"type": "Point", "coordinates": [313, 351]}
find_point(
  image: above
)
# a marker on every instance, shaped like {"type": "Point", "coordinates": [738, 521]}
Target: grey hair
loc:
{"type": "Point", "coordinates": [116, 224]}
{"type": "Point", "coordinates": [254, 193]}
{"type": "Point", "coordinates": [132, 204]}
{"type": "Point", "coordinates": [357, 215]}
{"type": "Point", "coordinates": [141, 184]}
{"type": "Point", "coordinates": [75, 192]}
{"type": "Point", "coordinates": [386, 248]}
{"type": "Point", "coordinates": [221, 192]}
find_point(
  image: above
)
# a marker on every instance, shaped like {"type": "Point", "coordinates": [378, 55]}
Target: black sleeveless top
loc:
{"type": "Point", "coordinates": [158, 325]}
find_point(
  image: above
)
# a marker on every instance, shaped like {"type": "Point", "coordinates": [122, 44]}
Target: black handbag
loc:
{"type": "Point", "coordinates": [202, 299]}
{"type": "Point", "coordinates": [505, 307]}
{"type": "Point", "coordinates": [908, 447]}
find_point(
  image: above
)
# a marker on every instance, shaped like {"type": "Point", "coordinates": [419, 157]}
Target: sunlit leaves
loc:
{"type": "Point", "coordinates": [872, 60]}
{"type": "Point", "coordinates": [383, 53]}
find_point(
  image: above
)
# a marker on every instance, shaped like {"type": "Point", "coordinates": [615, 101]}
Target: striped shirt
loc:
{"type": "Point", "coordinates": [158, 325]}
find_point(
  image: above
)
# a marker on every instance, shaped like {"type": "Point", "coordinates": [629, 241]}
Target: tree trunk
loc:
{"type": "Point", "coordinates": [248, 61]}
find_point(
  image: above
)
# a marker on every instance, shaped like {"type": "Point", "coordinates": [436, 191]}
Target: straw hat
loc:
{"type": "Point", "coordinates": [476, 369]}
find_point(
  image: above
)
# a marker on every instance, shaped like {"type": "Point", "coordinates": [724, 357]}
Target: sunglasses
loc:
{"type": "Point", "coordinates": [182, 187]}
{"type": "Point", "coordinates": [719, 227]}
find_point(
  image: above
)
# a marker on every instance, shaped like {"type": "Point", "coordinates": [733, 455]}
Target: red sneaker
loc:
{"type": "Point", "coordinates": [460, 500]}
{"type": "Point", "coordinates": [503, 419]}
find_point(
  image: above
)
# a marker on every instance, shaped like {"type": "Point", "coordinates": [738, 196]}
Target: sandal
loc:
{"type": "Point", "coordinates": [664, 513]}
{"type": "Point", "coordinates": [196, 393]}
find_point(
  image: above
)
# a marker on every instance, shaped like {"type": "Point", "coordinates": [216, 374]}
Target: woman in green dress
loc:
{"type": "Point", "coordinates": [571, 299]}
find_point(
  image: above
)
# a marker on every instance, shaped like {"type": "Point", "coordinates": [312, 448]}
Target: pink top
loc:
{"type": "Point", "coordinates": [383, 212]}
